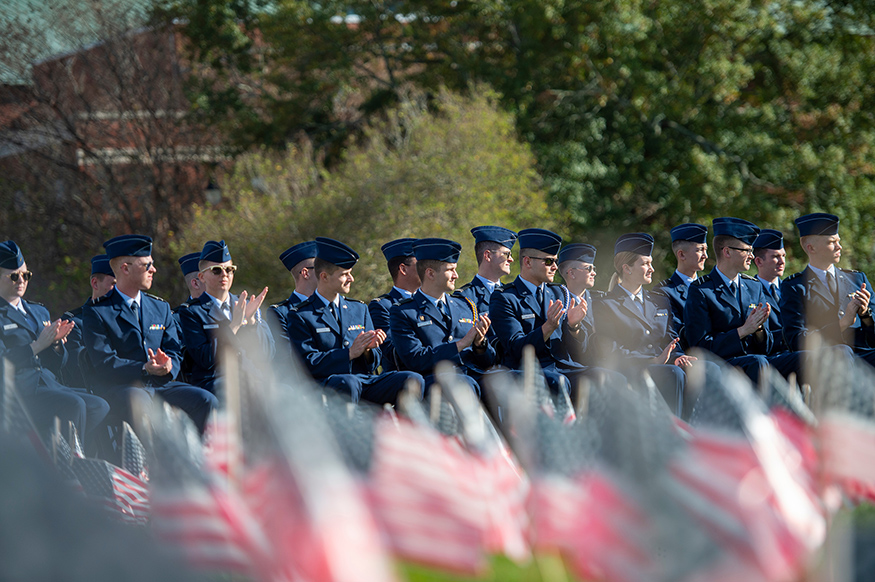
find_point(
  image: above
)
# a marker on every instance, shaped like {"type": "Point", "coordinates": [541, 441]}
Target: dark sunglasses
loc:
{"type": "Point", "coordinates": [26, 275]}
{"type": "Point", "coordinates": [217, 270]}
{"type": "Point", "coordinates": [549, 261]}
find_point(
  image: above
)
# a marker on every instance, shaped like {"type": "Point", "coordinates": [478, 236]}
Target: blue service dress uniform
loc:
{"type": "Point", "coordinates": [713, 315]}
{"type": "Point", "coordinates": [636, 333]}
{"type": "Point", "coordinates": [424, 336]}
{"type": "Point", "coordinates": [202, 322]}
{"type": "Point", "coordinates": [379, 308]}
{"type": "Point", "coordinates": [75, 369]}
{"type": "Point", "coordinates": [118, 348]}
{"type": "Point", "coordinates": [479, 293]}
{"type": "Point", "coordinates": [323, 341]}
{"type": "Point", "coordinates": [35, 375]}
{"type": "Point", "coordinates": [675, 289]}
{"type": "Point", "coordinates": [808, 306]}
{"type": "Point", "coordinates": [517, 316]}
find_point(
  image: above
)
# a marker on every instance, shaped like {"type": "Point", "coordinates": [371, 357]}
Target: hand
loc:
{"type": "Point", "coordinates": [858, 305]}
{"type": "Point", "coordinates": [158, 364]}
{"type": "Point", "coordinates": [577, 312]}
{"type": "Point", "coordinates": [238, 314]}
{"type": "Point", "coordinates": [64, 330]}
{"type": "Point", "coordinates": [554, 316]}
{"type": "Point", "coordinates": [361, 344]}
{"type": "Point", "coordinates": [483, 324]}
{"type": "Point", "coordinates": [379, 338]}
{"type": "Point", "coordinates": [48, 335]}
{"type": "Point", "coordinates": [666, 353]}
{"type": "Point", "coordinates": [684, 361]}
{"type": "Point", "coordinates": [754, 320]}
{"type": "Point", "coordinates": [254, 305]}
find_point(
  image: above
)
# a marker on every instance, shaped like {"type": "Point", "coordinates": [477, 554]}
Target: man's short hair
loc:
{"type": "Point", "coordinates": [394, 265]}
{"type": "Point", "coordinates": [189, 277]}
{"type": "Point", "coordinates": [722, 241]}
{"type": "Point", "coordinates": [760, 253]}
{"type": "Point", "coordinates": [116, 263]}
{"type": "Point", "coordinates": [323, 266]}
{"type": "Point", "coordinates": [101, 277]}
{"type": "Point", "coordinates": [424, 264]}
{"type": "Point", "coordinates": [481, 248]}
{"type": "Point", "coordinates": [681, 245]}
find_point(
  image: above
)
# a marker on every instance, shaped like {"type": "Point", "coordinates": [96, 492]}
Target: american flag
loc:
{"type": "Point", "coordinates": [426, 497]}
{"type": "Point", "coordinates": [15, 419]}
{"type": "Point", "coordinates": [133, 454]}
{"type": "Point", "coordinates": [125, 496]}
{"type": "Point", "coordinates": [847, 445]}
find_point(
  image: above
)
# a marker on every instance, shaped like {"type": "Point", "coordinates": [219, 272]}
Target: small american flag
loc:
{"type": "Point", "coordinates": [125, 496]}
{"type": "Point", "coordinates": [133, 454]}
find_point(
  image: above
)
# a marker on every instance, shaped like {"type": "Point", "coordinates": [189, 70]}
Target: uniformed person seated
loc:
{"type": "Point", "coordinates": [298, 260]}
{"type": "Point", "coordinates": [726, 311]}
{"type": "Point", "coordinates": [635, 326]}
{"type": "Point", "coordinates": [76, 370]}
{"type": "Point", "coordinates": [405, 281]}
{"type": "Point", "coordinates": [335, 336]}
{"type": "Point", "coordinates": [493, 247]}
{"type": "Point", "coordinates": [689, 245]}
{"type": "Point", "coordinates": [133, 340]}
{"type": "Point", "coordinates": [576, 265]}
{"type": "Point", "coordinates": [34, 345]}
{"type": "Point", "coordinates": [770, 258]}
{"type": "Point", "coordinates": [218, 309]}
{"type": "Point", "coordinates": [531, 311]}
{"type": "Point", "coordinates": [433, 326]}
{"type": "Point", "coordinates": [823, 298]}
{"type": "Point", "coordinates": [188, 264]}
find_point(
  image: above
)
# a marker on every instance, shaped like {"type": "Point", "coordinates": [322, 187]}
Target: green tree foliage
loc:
{"type": "Point", "coordinates": [641, 114]}
{"type": "Point", "coordinates": [435, 170]}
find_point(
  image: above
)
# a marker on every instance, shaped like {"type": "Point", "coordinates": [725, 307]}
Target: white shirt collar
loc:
{"type": "Point", "coordinates": [821, 274]}
{"type": "Point", "coordinates": [128, 300]}
{"type": "Point", "coordinates": [638, 296]}
{"type": "Point", "coordinates": [216, 301]}
{"type": "Point", "coordinates": [726, 279]}
{"type": "Point", "coordinates": [489, 284]}
{"type": "Point", "coordinates": [767, 284]}
{"type": "Point", "coordinates": [687, 280]}
{"type": "Point", "coordinates": [434, 300]}
{"type": "Point", "coordinates": [404, 292]}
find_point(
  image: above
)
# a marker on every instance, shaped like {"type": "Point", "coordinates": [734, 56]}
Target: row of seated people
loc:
{"type": "Point", "coordinates": [127, 344]}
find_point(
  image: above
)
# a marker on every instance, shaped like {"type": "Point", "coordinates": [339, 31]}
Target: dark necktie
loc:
{"type": "Point", "coordinates": [774, 291]}
{"type": "Point", "coordinates": [733, 288]}
{"type": "Point", "coordinates": [135, 308]}
{"type": "Point", "coordinates": [639, 301]}
{"type": "Point", "coordinates": [539, 295]}
{"type": "Point", "coordinates": [226, 309]}
{"type": "Point", "coordinates": [442, 307]}
{"type": "Point", "coordinates": [833, 286]}
{"type": "Point", "coordinates": [332, 309]}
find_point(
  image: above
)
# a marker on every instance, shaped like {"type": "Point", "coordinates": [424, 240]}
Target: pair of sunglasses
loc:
{"type": "Point", "coordinates": [218, 270]}
{"type": "Point", "coordinates": [26, 275]}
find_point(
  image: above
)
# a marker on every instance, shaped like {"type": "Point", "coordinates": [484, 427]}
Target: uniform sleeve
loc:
{"type": "Point", "coordinates": [700, 329]}
{"type": "Point", "coordinates": [793, 322]}
{"type": "Point", "coordinates": [200, 345]}
{"type": "Point", "coordinates": [171, 343]}
{"type": "Point", "coordinates": [107, 364]}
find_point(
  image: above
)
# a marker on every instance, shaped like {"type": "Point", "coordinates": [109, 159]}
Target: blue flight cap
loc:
{"type": "Point", "coordinates": [297, 253]}
{"type": "Point", "coordinates": [818, 223]}
{"type": "Point", "coordinates": [577, 252]}
{"type": "Point", "coordinates": [769, 239]}
{"type": "Point", "coordinates": [695, 233]}
{"type": "Point", "coordinates": [437, 249]}
{"type": "Point", "coordinates": [128, 245]}
{"type": "Point", "coordinates": [498, 234]}
{"type": "Point", "coordinates": [540, 239]}
{"type": "Point", "coordinates": [216, 252]}
{"type": "Point", "coordinates": [10, 255]}
{"type": "Point", "coordinates": [188, 263]}
{"type": "Point", "coordinates": [100, 266]}
{"type": "Point", "coordinates": [639, 243]}
{"type": "Point", "coordinates": [335, 252]}
{"type": "Point", "coordinates": [400, 247]}
{"type": "Point", "coordinates": [743, 230]}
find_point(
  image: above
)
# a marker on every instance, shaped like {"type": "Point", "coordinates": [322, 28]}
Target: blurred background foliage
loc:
{"type": "Point", "coordinates": [429, 167]}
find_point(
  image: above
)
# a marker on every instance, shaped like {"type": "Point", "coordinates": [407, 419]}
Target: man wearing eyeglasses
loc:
{"type": "Point", "coordinates": [35, 346]}
{"type": "Point", "coordinates": [531, 311]}
{"type": "Point", "coordinates": [690, 247]}
{"type": "Point", "coordinates": [217, 309]}
{"type": "Point", "coordinates": [133, 341]}
{"type": "Point", "coordinates": [726, 311]}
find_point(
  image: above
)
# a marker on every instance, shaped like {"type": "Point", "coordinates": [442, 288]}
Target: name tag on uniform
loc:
{"type": "Point", "coordinates": [10, 326]}
{"type": "Point", "coordinates": [211, 326]}
{"type": "Point", "coordinates": [528, 316]}
{"type": "Point", "coordinates": [323, 329]}
{"type": "Point", "coordinates": [156, 327]}
{"type": "Point", "coordinates": [424, 323]}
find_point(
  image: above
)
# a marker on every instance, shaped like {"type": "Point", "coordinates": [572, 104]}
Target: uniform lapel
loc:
{"type": "Point", "coordinates": [124, 312]}
{"type": "Point", "coordinates": [725, 294]}
{"type": "Point", "coordinates": [328, 319]}
{"type": "Point", "coordinates": [18, 318]}
{"type": "Point", "coordinates": [429, 309]}
{"type": "Point", "coordinates": [818, 288]}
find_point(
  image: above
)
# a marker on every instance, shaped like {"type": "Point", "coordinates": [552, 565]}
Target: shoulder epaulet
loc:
{"type": "Point", "coordinates": [154, 297]}
{"type": "Point", "coordinates": [35, 303]}
{"type": "Point", "coordinates": [793, 276]}
{"type": "Point", "coordinates": [849, 270]}
{"type": "Point", "coordinates": [405, 300]}
{"type": "Point", "coordinates": [277, 305]}
{"type": "Point", "coordinates": [743, 276]}
{"type": "Point", "coordinates": [306, 301]}
{"type": "Point", "coordinates": [354, 300]}
{"type": "Point", "coordinates": [383, 296]}
{"type": "Point", "coordinates": [663, 283]}
{"type": "Point", "coordinates": [597, 294]}
{"type": "Point", "coordinates": [99, 299]}
{"type": "Point", "coordinates": [468, 286]}
{"type": "Point", "coordinates": [68, 315]}
{"type": "Point", "coordinates": [184, 305]}
{"type": "Point", "coordinates": [658, 291]}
